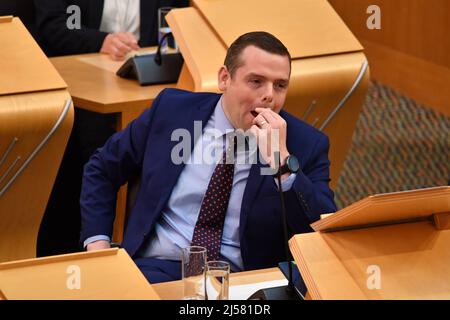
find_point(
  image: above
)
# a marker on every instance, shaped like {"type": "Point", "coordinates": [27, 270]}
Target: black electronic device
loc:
{"type": "Point", "coordinates": [154, 68]}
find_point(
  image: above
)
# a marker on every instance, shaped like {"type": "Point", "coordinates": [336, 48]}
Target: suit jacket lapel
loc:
{"type": "Point", "coordinates": [254, 183]}
{"type": "Point", "coordinates": [201, 113]}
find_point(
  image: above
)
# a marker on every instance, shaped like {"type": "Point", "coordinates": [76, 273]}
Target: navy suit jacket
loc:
{"type": "Point", "coordinates": [144, 148]}
{"type": "Point", "coordinates": [57, 39]}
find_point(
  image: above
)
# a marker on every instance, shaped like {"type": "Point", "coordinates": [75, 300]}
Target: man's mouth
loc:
{"type": "Point", "coordinates": [254, 113]}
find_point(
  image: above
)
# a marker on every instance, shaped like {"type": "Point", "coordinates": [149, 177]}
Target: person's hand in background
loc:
{"type": "Point", "coordinates": [118, 45]}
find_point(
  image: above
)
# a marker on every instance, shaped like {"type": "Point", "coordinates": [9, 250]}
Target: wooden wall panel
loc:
{"type": "Point", "coordinates": [411, 52]}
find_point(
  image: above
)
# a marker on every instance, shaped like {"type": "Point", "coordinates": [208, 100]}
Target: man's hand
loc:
{"type": "Point", "coordinates": [118, 45]}
{"type": "Point", "coordinates": [266, 126]}
{"type": "Point", "coordinates": [98, 245]}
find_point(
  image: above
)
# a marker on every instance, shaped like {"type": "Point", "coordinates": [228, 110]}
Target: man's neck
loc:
{"type": "Point", "coordinates": [224, 104]}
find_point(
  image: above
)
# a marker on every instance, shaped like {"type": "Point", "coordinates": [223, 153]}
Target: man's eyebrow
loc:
{"type": "Point", "coordinates": [256, 75]}
{"type": "Point", "coordinates": [252, 74]}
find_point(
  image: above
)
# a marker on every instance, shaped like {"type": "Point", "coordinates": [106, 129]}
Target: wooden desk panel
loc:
{"type": "Point", "coordinates": [23, 66]}
{"type": "Point", "coordinates": [94, 86]}
{"type": "Point", "coordinates": [102, 275]}
{"type": "Point", "coordinates": [307, 28]}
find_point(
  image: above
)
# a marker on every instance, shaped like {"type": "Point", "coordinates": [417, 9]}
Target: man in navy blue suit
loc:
{"type": "Point", "coordinates": [232, 209]}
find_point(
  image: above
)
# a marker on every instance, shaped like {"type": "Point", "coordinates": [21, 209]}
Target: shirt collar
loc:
{"type": "Point", "coordinates": [221, 122]}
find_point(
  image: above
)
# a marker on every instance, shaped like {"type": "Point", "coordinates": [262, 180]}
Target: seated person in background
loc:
{"type": "Point", "coordinates": [111, 27]}
{"type": "Point", "coordinates": [232, 209]}
{"type": "Point", "coordinates": [114, 27]}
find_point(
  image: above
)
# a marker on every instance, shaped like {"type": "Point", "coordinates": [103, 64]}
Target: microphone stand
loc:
{"type": "Point", "coordinates": [158, 55]}
{"type": "Point", "coordinates": [283, 292]}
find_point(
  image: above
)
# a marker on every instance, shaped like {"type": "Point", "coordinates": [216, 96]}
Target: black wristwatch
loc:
{"type": "Point", "coordinates": [292, 165]}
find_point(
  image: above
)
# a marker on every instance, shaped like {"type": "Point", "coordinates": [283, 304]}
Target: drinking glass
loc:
{"type": "Point", "coordinates": [164, 29]}
{"type": "Point", "coordinates": [217, 280]}
{"type": "Point", "coordinates": [193, 260]}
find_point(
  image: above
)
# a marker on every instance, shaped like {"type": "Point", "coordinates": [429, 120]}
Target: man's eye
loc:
{"type": "Point", "coordinates": [281, 86]}
{"type": "Point", "coordinates": [255, 81]}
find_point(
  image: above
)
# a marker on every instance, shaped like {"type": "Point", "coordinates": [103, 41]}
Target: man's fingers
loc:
{"type": "Point", "coordinates": [267, 113]}
{"type": "Point", "coordinates": [264, 114]}
{"type": "Point", "coordinates": [262, 121]}
{"type": "Point", "coordinates": [273, 118]}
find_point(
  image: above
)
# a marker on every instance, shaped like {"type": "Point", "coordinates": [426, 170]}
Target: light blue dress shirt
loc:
{"type": "Point", "coordinates": [176, 225]}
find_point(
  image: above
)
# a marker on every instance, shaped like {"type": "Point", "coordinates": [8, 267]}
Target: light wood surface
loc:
{"type": "Point", "coordinates": [411, 50]}
{"type": "Point", "coordinates": [415, 27]}
{"type": "Point", "coordinates": [322, 82]}
{"type": "Point", "coordinates": [413, 259]}
{"type": "Point", "coordinates": [389, 208]}
{"type": "Point", "coordinates": [286, 20]}
{"type": "Point", "coordinates": [23, 65]}
{"type": "Point", "coordinates": [36, 119]}
{"type": "Point", "coordinates": [29, 118]}
{"type": "Point", "coordinates": [6, 19]}
{"type": "Point", "coordinates": [174, 290]}
{"type": "Point", "coordinates": [107, 274]}
{"type": "Point", "coordinates": [94, 86]}
{"type": "Point", "coordinates": [192, 32]}
{"type": "Point", "coordinates": [392, 248]}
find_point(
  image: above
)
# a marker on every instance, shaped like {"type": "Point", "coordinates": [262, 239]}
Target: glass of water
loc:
{"type": "Point", "coordinates": [164, 29]}
{"type": "Point", "coordinates": [217, 280]}
{"type": "Point", "coordinates": [193, 260]}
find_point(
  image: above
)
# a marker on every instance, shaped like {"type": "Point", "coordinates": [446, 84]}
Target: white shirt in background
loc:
{"type": "Point", "coordinates": [121, 16]}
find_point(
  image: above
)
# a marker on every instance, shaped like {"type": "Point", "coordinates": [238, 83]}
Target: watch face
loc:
{"type": "Point", "coordinates": [293, 164]}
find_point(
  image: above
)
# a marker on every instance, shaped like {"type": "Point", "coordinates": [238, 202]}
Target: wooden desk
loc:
{"type": "Point", "coordinates": [174, 290]}
{"type": "Point", "coordinates": [99, 275]}
{"type": "Point", "coordinates": [94, 86]}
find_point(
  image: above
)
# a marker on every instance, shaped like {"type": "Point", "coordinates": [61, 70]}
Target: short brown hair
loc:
{"type": "Point", "coordinates": [260, 39]}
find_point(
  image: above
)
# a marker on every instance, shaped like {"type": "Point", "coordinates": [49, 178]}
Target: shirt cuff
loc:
{"type": "Point", "coordinates": [95, 238]}
{"type": "Point", "coordinates": [286, 185]}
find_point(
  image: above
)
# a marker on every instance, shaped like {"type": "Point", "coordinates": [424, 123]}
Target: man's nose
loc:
{"type": "Point", "coordinates": [268, 94]}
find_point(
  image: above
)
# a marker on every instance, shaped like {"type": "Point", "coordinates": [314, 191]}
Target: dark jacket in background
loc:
{"type": "Point", "coordinates": [57, 39]}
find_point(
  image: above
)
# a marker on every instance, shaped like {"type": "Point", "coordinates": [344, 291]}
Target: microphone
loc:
{"type": "Point", "coordinates": [283, 292]}
{"type": "Point", "coordinates": [158, 55]}
{"type": "Point", "coordinates": [151, 69]}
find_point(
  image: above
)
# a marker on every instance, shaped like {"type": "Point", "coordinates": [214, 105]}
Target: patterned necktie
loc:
{"type": "Point", "coordinates": [209, 227]}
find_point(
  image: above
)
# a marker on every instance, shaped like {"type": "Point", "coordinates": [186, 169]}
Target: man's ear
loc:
{"type": "Point", "coordinates": [224, 78]}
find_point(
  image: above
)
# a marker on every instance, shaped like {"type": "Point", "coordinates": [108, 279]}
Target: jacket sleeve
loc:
{"type": "Point", "coordinates": [109, 168]}
{"type": "Point", "coordinates": [57, 38]}
{"type": "Point", "coordinates": [310, 195]}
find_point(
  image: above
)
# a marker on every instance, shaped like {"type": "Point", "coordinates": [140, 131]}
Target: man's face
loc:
{"type": "Point", "coordinates": [261, 81]}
